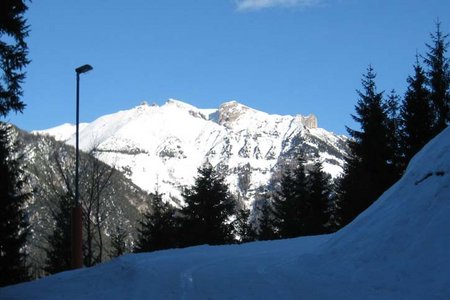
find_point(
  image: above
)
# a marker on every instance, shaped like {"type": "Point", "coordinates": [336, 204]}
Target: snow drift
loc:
{"type": "Point", "coordinates": [397, 249]}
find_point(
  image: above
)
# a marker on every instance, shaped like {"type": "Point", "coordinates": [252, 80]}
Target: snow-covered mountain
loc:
{"type": "Point", "coordinates": [396, 249]}
{"type": "Point", "coordinates": [164, 145]}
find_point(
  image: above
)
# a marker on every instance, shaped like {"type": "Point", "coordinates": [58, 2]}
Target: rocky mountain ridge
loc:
{"type": "Point", "coordinates": [162, 146]}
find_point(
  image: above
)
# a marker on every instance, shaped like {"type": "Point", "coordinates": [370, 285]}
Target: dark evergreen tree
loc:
{"type": "Point", "coordinates": [209, 206]}
{"type": "Point", "coordinates": [417, 116]}
{"type": "Point", "coordinates": [59, 251]}
{"type": "Point", "coordinates": [243, 227]}
{"type": "Point", "coordinates": [395, 157]}
{"type": "Point", "coordinates": [13, 222]}
{"type": "Point", "coordinates": [158, 230]}
{"type": "Point", "coordinates": [369, 170]}
{"type": "Point", "coordinates": [118, 242]}
{"type": "Point", "coordinates": [291, 203]}
{"type": "Point", "coordinates": [13, 226]}
{"type": "Point", "coordinates": [319, 189]}
{"type": "Point", "coordinates": [13, 55]}
{"type": "Point", "coordinates": [334, 209]}
{"type": "Point", "coordinates": [266, 222]}
{"type": "Point", "coordinates": [439, 78]}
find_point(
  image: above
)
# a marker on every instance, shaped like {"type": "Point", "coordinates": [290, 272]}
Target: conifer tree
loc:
{"type": "Point", "coordinates": [368, 171]}
{"type": "Point", "coordinates": [13, 222]}
{"type": "Point", "coordinates": [13, 55]}
{"type": "Point", "coordinates": [439, 78]}
{"type": "Point", "coordinates": [395, 156]}
{"type": "Point", "coordinates": [243, 227]}
{"type": "Point", "coordinates": [291, 202]}
{"type": "Point", "coordinates": [13, 226]}
{"type": "Point", "coordinates": [334, 209]}
{"type": "Point", "coordinates": [118, 242]}
{"type": "Point", "coordinates": [209, 206]}
{"type": "Point", "coordinates": [319, 189]}
{"type": "Point", "coordinates": [266, 224]}
{"type": "Point", "coordinates": [158, 228]}
{"type": "Point", "coordinates": [59, 251]}
{"type": "Point", "coordinates": [417, 116]}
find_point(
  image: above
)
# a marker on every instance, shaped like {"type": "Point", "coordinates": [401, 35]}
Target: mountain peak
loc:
{"type": "Point", "coordinates": [180, 104]}
{"type": "Point", "coordinates": [231, 112]}
{"type": "Point", "coordinates": [235, 106]}
{"type": "Point", "coordinates": [167, 144]}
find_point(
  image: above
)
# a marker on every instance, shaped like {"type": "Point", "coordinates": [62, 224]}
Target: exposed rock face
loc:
{"type": "Point", "coordinates": [310, 121]}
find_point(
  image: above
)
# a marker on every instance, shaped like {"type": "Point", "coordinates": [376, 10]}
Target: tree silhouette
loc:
{"type": "Point", "coordinates": [439, 78]}
{"type": "Point", "coordinates": [209, 206]}
{"type": "Point", "coordinates": [319, 189]}
{"type": "Point", "coordinates": [13, 224]}
{"type": "Point", "coordinates": [266, 221]}
{"type": "Point", "coordinates": [417, 115]}
{"type": "Point", "coordinates": [370, 167]}
{"type": "Point", "coordinates": [59, 250]}
{"type": "Point", "coordinates": [118, 242]}
{"type": "Point", "coordinates": [13, 58]}
{"type": "Point", "coordinates": [291, 202]}
{"type": "Point", "coordinates": [13, 55]}
{"type": "Point", "coordinates": [158, 229]}
{"type": "Point", "coordinates": [243, 227]}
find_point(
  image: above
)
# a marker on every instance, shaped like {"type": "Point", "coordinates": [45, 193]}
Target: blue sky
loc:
{"type": "Point", "coordinates": [279, 56]}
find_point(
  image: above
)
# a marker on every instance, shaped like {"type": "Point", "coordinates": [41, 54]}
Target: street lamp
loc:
{"type": "Point", "coordinates": [77, 225]}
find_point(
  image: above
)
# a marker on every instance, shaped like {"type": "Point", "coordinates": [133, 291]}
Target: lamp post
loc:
{"type": "Point", "coordinates": [77, 220]}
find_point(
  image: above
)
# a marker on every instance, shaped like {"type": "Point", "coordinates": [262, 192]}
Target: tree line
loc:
{"type": "Point", "coordinates": [211, 215]}
{"type": "Point", "coordinates": [393, 129]}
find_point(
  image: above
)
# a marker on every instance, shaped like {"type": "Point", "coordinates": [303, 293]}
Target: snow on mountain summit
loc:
{"type": "Point", "coordinates": [164, 145]}
{"type": "Point", "coordinates": [61, 132]}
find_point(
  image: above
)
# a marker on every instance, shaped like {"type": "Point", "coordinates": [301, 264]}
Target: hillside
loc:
{"type": "Point", "coordinates": [49, 167]}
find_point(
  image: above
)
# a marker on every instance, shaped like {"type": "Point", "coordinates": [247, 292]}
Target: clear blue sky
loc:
{"type": "Point", "coordinates": [279, 56]}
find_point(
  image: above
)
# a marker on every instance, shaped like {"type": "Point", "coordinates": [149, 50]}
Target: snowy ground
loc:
{"type": "Point", "coordinates": [397, 249]}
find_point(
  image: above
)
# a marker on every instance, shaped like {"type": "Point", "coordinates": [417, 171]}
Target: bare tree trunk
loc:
{"type": "Point", "coordinates": [89, 251]}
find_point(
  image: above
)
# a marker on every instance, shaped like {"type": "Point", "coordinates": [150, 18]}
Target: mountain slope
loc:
{"type": "Point", "coordinates": [164, 145]}
{"type": "Point", "coordinates": [396, 249]}
{"type": "Point", "coordinates": [49, 167]}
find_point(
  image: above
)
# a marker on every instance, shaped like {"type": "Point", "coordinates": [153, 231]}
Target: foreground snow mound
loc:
{"type": "Point", "coordinates": [248, 271]}
{"type": "Point", "coordinates": [397, 249]}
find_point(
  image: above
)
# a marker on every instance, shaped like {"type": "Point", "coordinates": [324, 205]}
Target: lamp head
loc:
{"type": "Point", "coordinates": [83, 69]}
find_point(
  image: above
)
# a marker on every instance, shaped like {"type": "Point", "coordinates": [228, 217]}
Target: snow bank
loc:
{"type": "Point", "coordinates": [397, 249]}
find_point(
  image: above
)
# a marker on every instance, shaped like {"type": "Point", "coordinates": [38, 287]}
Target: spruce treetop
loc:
{"type": "Point", "coordinates": [439, 77]}
{"type": "Point", "coordinates": [13, 55]}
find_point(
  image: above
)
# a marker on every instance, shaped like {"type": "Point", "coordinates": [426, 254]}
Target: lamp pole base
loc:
{"type": "Point", "coordinates": [77, 238]}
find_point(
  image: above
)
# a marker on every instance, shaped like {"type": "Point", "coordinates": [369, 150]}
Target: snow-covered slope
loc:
{"type": "Point", "coordinates": [397, 249]}
{"type": "Point", "coordinates": [164, 145]}
{"type": "Point", "coordinates": [62, 132]}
